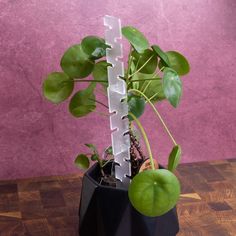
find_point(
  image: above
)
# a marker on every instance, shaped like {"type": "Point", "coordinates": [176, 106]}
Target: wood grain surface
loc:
{"type": "Point", "coordinates": [48, 206]}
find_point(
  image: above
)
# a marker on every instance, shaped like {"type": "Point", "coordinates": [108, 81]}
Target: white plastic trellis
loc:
{"type": "Point", "coordinates": [117, 101]}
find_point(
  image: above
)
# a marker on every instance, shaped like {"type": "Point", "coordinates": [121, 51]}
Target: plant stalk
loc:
{"type": "Point", "coordinates": [157, 113]}
{"type": "Point", "coordinates": [145, 139]}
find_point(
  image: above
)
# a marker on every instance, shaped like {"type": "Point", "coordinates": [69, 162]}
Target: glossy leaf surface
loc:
{"type": "Point", "coordinates": [136, 38]}
{"type": "Point", "coordinates": [178, 62]}
{"type": "Point", "coordinates": [136, 105]}
{"type": "Point", "coordinates": [82, 103]}
{"type": "Point", "coordinates": [57, 87]}
{"type": "Point", "coordinates": [172, 86]}
{"type": "Point", "coordinates": [76, 63]}
{"type": "Point", "coordinates": [82, 161]}
{"type": "Point", "coordinates": [154, 192]}
{"type": "Point", "coordinates": [174, 158]}
{"type": "Point", "coordinates": [94, 46]}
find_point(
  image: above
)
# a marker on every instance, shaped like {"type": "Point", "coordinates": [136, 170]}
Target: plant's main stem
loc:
{"type": "Point", "coordinates": [157, 113]}
{"type": "Point", "coordinates": [145, 138]}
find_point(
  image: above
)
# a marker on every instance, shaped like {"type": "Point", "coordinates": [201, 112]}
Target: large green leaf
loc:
{"type": "Point", "coordinates": [83, 102]}
{"type": "Point", "coordinates": [177, 62]}
{"type": "Point", "coordinates": [162, 55]}
{"type": "Point", "coordinates": [172, 86]}
{"type": "Point", "coordinates": [174, 158]}
{"type": "Point", "coordinates": [57, 87]}
{"type": "Point", "coordinates": [76, 63]}
{"type": "Point", "coordinates": [136, 105]}
{"type": "Point", "coordinates": [154, 192]}
{"type": "Point", "coordinates": [94, 46]}
{"type": "Point", "coordinates": [100, 72]}
{"type": "Point", "coordinates": [136, 38]}
{"type": "Point", "coordinates": [140, 59]}
{"type": "Point", "coordinates": [82, 161]}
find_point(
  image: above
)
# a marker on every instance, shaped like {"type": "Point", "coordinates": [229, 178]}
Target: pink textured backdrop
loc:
{"type": "Point", "coordinates": [38, 138]}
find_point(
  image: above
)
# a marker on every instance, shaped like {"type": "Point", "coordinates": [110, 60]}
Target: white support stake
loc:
{"type": "Point", "coordinates": [117, 99]}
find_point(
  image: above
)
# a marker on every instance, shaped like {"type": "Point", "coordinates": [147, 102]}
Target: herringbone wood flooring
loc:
{"type": "Point", "coordinates": [49, 205]}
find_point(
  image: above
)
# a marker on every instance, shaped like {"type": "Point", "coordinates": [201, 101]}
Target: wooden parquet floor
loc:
{"type": "Point", "coordinates": [48, 206]}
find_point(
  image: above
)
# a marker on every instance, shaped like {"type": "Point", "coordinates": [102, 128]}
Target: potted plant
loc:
{"type": "Point", "coordinates": [147, 207]}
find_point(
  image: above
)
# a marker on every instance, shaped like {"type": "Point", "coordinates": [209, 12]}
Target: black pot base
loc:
{"type": "Point", "coordinates": [106, 211]}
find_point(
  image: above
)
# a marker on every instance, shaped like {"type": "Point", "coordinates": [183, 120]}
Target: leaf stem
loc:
{"type": "Point", "coordinates": [140, 68]}
{"type": "Point", "coordinates": [157, 113]}
{"type": "Point", "coordinates": [101, 103]}
{"type": "Point", "coordinates": [154, 95]}
{"type": "Point", "coordinates": [91, 81]}
{"type": "Point", "coordinates": [145, 139]}
{"type": "Point", "coordinates": [137, 80]}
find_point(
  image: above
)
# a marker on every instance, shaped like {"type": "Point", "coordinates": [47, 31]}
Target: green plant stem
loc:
{"type": "Point", "coordinates": [101, 103]}
{"type": "Point", "coordinates": [145, 138]}
{"type": "Point", "coordinates": [157, 113]}
{"type": "Point", "coordinates": [101, 167]}
{"type": "Point", "coordinates": [141, 66]}
{"type": "Point", "coordinates": [137, 80]}
{"type": "Point", "coordinates": [151, 81]}
{"type": "Point", "coordinates": [91, 81]}
{"type": "Point", "coordinates": [154, 95]}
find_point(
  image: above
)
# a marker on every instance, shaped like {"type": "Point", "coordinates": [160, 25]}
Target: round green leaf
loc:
{"type": "Point", "coordinates": [174, 158]}
{"type": "Point", "coordinates": [141, 59]}
{"type": "Point", "coordinates": [172, 86]}
{"type": "Point", "coordinates": [100, 72]}
{"type": "Point", "coordinates": [82, 161]}
{"type": "Point", "coordinates": [57, 87]}
{"type": "Point", "coordinates": [136, 105]}
{"type": "Point", "coordinates": [162, 55]}
{"type": "Point", "coordinates": [154, 192]}
{"type": "Point", "coordinates": [136, 38]}
{"type": "Point", "coordinates": [178, 62]}
{"type": "Point", "coordinates": [83, 102]}
{"type": "Point", "coordinates": [76, 63]}
{"type": "Point", "coordinates": [94, 46]}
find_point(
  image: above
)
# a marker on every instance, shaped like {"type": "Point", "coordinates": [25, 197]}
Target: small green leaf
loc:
{"type": "Point", "coordinates": [92, 147]}
{"type": "Point", "coordinates": [83, 102]}
{"type": "Point", "coordinates": [162, 55]}
{"type": "Point", "coordinates": [94, 157]}
{"type": "Point", "coordinates": [100, 72]}
{"type": "Point", "coordinates": [76, 63]}
{"type": "Point", "coordinates": [178, 62]}
{"type": "Point", "coordinates": [141, 59]}
{"type": "Point", "coordinates": [174, 158]}
{"type": "Point", "coordinates": [136, 38]}
{"type": "Point", "coordinates": [57, 87]}
{"type": "Point", "coordinates": [136, 105]}
{"type": "Point", "coordinates": [109, 150]}
{"type": "Point", "coordinates": [94, 46]}
{"type": "Point", "coordinates": [172, 86]}
{"type": "Point", "coordinates": [82, 161]}
{"type": "Point", "coordinates": [154, 192]}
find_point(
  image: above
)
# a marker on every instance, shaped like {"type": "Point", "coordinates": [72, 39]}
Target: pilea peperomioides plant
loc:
{"type": "Point", "coordinates": [152, 75]}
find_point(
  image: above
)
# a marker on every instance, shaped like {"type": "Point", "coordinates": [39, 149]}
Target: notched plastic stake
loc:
{"type": "Point", "coordinates": [116, 93]}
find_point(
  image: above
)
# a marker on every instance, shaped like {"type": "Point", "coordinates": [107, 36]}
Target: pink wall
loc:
{"type": "Point", "coordinates": [38, 138]}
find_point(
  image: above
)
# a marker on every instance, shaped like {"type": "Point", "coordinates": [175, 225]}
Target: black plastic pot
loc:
{"type": "Point", "coordinates": [106, 211]}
